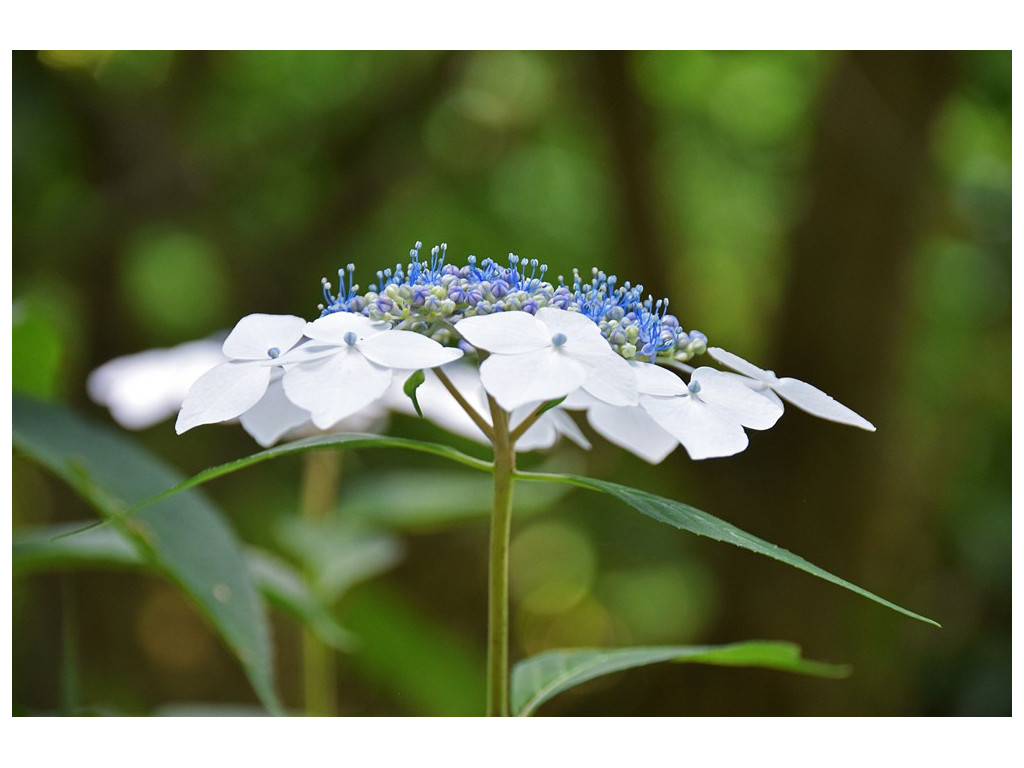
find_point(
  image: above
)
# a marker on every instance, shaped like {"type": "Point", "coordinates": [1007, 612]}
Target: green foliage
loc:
{"type": "Point", "coordinates": [691, 519]}
{"type": "Point", "coordinates": [37, 352]}
{"type": "Point", "coordinates": [185, 538]}
{"type": "Point", "coordinates": [43, 549]}
{"type": "Point", "coordinates": [411, 385]}
{"type": "Point", "coordinates": [542, 677]}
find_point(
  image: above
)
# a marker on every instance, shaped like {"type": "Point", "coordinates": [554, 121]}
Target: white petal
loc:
{"type": "Point", "coordinates": [273, 416]}
{"type": "Point", "coordinates": [817, 403]}
{"type": "Point", "coordinates": [145, 388]}
{"type": "Point", "coordinates": [254, 335]}
{"type": "Point", "coordinates": [334, 327]}
{"type": "Point", "coordinates": [610, 378]}
{"type": "Point", "coordinates": [307, 352]}
{"type": "Point", "coordinates": [337, 386]}
{"type": "Point", "coordinates": [632, 428]}
{"type": "Point", "coordinates": [372, 418]}
{"type": "Point", "coordinates": [578, 400]}
{"type": "Point", "coordinates": [507, 333]}
{"type": "Point", "coordinates": [652, 379]}
{"type": "Point", "coordinates": [727, 391]}
{"type": "Point", "coordinates": [760, 387]}
{"type": "Point", "coordinates": [533, 377]}
{"type": "Point", "coordinates": [704, 432]}
{"type": "Point", "coordinates": [737, 363]}
{"type": "Point", "coordinates": [406, 350]}
{"type": "Point", "coordinates": [583, 337]}
{"type": "Point", "coordinates": [223, 393]}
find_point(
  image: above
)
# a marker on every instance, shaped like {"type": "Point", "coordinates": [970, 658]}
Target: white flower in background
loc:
{"type": "Point", "coordinates": [440, 407]}
{"type": "Point", "coordinates": [232, 388]}
{"type": "Point", "coordinates": [541, 357]}
{"type": "Point", "coordinates": [349, 362]}
{"type": "Point", "coordinates": [145, 388]}
{"type": "Point", "coordinates": [799, 393]}
{"type": "Point", "coordinates": [707, 416]}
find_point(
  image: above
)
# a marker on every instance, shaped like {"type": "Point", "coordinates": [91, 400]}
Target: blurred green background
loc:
{"type": "Point", "coordinates": [839, 217]}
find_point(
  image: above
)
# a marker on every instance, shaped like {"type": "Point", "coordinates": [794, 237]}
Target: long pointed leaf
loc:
{"type": "Point", "coordinates": [185, 537]}
{"type": "Point", "coordinates": [541, 677]}
{"type": "Point", "coordinates": [320, 442]}
{"type": "Point", "coordinates": [49, 548]}
{"type": "Point", "coordinates": [691, 519]}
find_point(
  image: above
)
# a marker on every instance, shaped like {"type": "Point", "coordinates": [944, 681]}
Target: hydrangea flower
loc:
{"type": "Point", "coordinates": [232, 388]}
{"type": "Point", "coordinates": [706, 417]}
{"type": "Point", "coordinates": [349, 363]}
{"type": "Point", "coordinates": [594, 344]}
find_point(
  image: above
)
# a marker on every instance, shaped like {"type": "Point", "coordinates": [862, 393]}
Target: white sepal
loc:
{"type": "Point", "coordinates": [273, 416]}
{"type": "Point", "coordinates": [804, 396]}
{"type": "Point", "coordinates": [727, 392]}
{"type": "Point", "coordinates": [506, 333]}
{"type": "Point", "coordinates": [336, 386]}
{"type": "Point", "coordinates": [254, 335]}
{"type": "Point", "coordinates": [532, 377]}
{"type": "Point", "coordinates": [223, 393]}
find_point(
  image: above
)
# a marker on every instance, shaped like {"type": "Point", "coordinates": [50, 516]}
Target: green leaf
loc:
{"type": "Point", "coordinates": [284, 586]}
{"type": "Point", "coordinates": [343, 440]}
{"type": "Point", "coordinates": [411, 385]}
{"type": "Point", "coordinates": [551, 404]}
{"type": "Point", "coordinates": [542, 677]}
{"type": "Point", "coordinates": [185, 538]}
{"type": "Point", "coordinates": [691, 519]}
{"type": "Point", "coordinates": [50, 548]}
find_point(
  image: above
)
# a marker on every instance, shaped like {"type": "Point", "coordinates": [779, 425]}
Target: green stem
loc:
{"type": "Point", "coordinates": [320, 473]}
{"type": "Point", "coordinates": [497, 592]}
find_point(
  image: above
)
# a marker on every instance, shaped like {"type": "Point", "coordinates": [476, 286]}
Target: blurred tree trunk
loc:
{"type": "Point", "coordinates": [815, 485]}
{"type": "Point", "coordinates": [629, 128]}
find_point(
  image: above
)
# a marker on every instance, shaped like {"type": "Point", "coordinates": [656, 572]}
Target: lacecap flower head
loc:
{"type": "Point", "coordinates": [541, 348]}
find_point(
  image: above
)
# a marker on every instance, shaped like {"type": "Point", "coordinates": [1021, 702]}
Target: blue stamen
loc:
{"type": "Point", "coordinates": [433, 294]}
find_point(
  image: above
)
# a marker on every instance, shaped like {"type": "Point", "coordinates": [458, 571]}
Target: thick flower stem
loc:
{"type": "Point", "coordinates": [501, 525]}
{"type": "Point", "coordinates": [321, 471]}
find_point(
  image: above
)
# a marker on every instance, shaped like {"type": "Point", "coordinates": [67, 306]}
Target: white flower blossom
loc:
{"type": "Point", "coordinates": [348, 363]}
{"type": "Point", "coordinates": [799, 393]}
{"type": "Point", "coordinates": [533, 358]}
{"type": "Point", "coordinates": [706, 417]}
{"type": "Point", "coordinates": [232, 388]}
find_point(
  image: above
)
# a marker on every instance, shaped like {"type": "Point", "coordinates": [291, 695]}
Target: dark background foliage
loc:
{"type": "Point", "coordinates": [840, 217]}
